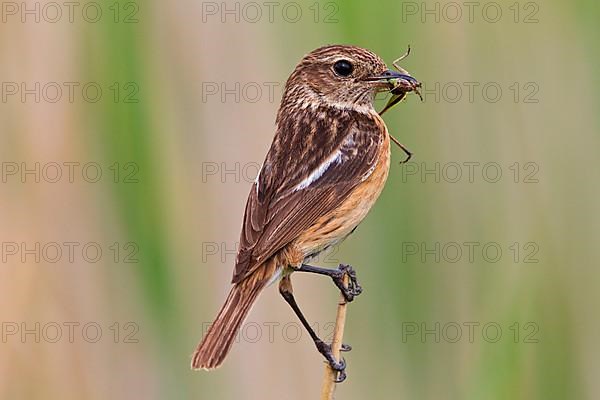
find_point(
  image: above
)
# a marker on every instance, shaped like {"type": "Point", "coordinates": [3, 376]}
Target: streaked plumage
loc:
{"type": "Point", "coordinates": [326, 167]}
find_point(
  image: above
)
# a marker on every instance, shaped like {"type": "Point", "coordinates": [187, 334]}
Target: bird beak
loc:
{"type": "Point", "coordinates": [400, 84]}
{"type": "Point", "coordinates": [391, 74]}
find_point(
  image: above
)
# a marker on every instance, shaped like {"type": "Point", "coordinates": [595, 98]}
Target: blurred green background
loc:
{"type": "Point", "coordinates": [479, 261]}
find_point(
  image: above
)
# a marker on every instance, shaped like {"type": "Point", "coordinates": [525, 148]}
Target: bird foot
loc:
{"type": "Point", "coordinates": [353, 289]}
{"type": "Point", "coordinates": [339, 367]}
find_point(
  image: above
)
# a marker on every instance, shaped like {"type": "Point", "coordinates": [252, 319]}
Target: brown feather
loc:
{"type": "Point", "coordinates": [217, 342]}
{"type": "Point", "coordinates": [326, 166]}
{"type": "Point", "coordinates": [284, 213]}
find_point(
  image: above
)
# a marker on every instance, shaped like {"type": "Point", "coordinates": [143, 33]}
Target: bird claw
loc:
{"type": "Point", "coordinates": [339, 367]}
{"type": "Point", "coordinates": [354, 288]}
{"type": "Point", "coordinates": [341, 377]}
{"type": "Point", "coordinates": [345, 347]}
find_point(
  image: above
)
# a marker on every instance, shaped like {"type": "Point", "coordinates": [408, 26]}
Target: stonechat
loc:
{"type": "Point", "coordinates": [326, 167]}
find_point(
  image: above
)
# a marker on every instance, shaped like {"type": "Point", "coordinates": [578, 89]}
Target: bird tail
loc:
{"type": "Point", "coordinates": [217, 342]}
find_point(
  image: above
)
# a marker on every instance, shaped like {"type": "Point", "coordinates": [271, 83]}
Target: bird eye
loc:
{"type": "Point", "coordinates": [343, 68]}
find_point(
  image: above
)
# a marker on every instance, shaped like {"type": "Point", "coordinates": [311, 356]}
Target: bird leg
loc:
{"type": "Point", "coordinates": [337, 275]}
{"type": "Point", "coordinates": [286, 291]}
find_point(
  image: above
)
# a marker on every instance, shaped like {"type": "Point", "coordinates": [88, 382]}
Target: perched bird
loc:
{"type": "Point", "coordinates": [326, 167]}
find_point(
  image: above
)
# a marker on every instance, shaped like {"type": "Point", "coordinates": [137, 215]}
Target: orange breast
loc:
{"type": "Point", "coordinates": [336, 225]}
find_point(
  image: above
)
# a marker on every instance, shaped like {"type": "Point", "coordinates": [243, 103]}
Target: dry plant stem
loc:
{"type": "Point", "coordinates": [328, 385]}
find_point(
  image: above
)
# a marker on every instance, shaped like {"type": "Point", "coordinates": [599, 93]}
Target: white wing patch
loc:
{"type": "Point", "coordinates": [316, 174]}
{"type": "Point", "coordinates": [257, 179]}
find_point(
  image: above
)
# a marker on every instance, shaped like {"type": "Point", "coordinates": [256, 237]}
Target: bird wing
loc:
{"type": "Point", "coordinates": [312, 166]}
